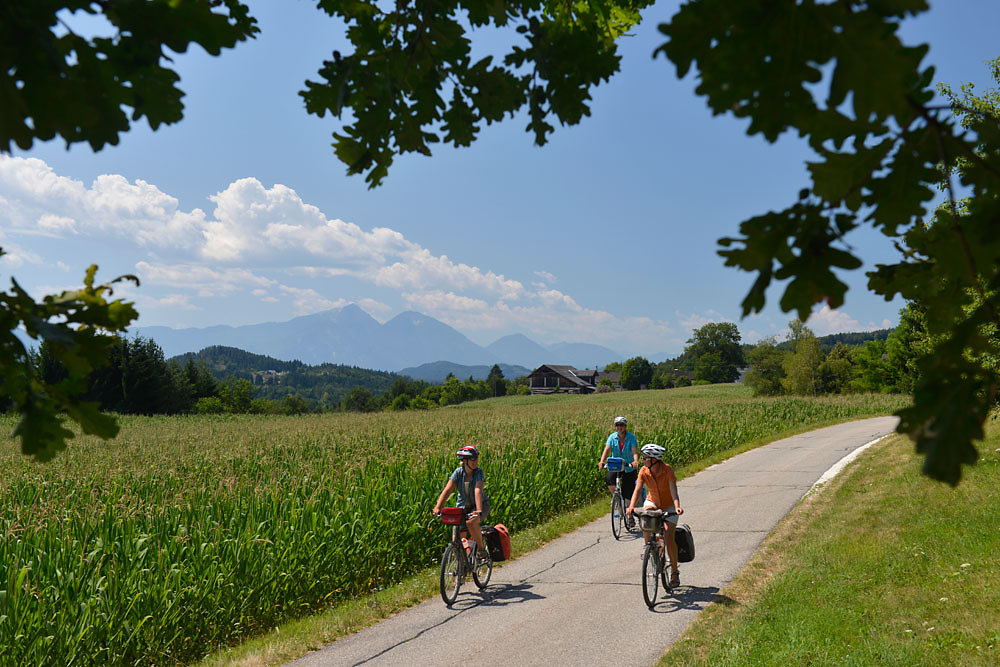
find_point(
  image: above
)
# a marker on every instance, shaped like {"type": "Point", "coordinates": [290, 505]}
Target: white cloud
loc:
{"type": "Point", "coordinates": [546, 276]}
{"type": "Point", "coordinates": [203, 280]}
{"type": "Point", "coordinates": [15, 256]}
{"type": "Point", "coordinates": [827, 321]}
{"type": "Point", "coordinates": [182, 301]}
{"type": "Point", "coordinates": [308, 301]}
{"type": "Point", "coordinates": [268, 246]}
{"type": "Point", "coordinates": [57, 225]}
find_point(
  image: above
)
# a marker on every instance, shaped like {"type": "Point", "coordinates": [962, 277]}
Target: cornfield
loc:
{"type": "Point", "coordinates": [188, 533]}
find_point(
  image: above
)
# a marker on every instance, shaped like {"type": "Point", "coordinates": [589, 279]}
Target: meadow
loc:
{"type": "Point", "coordinates": [883, 566]}
{"type": "Point", "coordinates": [189, 533]}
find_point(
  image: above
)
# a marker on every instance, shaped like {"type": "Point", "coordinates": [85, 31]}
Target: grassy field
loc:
{"type": "Point", "coordinates": [190, 533]}
{"type": "Point", "coordinates": [883, 567]}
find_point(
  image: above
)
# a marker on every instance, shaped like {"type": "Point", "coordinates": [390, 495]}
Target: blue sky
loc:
{"type": "Point", "coordinates": [241, 214]}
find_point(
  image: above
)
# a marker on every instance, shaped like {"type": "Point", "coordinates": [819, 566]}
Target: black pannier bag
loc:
{"type": "Point", "coordinates": [491, 538]}
{"type": "Point", "coordinates": [685, 543]}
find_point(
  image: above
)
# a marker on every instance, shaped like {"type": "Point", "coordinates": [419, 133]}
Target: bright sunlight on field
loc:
{"type": "Point", "coordinates": [187, 533]}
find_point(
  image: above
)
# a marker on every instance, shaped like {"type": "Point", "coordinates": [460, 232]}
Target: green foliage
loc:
{"type": "Point", "coordinates": [495, 381]}
{"type": "Point", "coordinates": [836, 370]}
{"type": "Point", "coordinates": [359, 399]}
{"type": "Point", "coordinates": [802, 367]}
{"type": "Point", "coordinates": [55, 82]}
{"type": "Point", "coordinates": [882, 149]}
{"type": "Point", "coordinates": [636, 373]}
{"type": "Point", "coordinates": [411, 80]}
{"type": "Point", "coordinates": [715, 352]}
{"type": "Point", "coordinates": [72, 329]}
{"type": "Point", "coordinates": [767, 368]}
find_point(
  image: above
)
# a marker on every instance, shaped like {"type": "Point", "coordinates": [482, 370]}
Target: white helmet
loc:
{"type": "Point", "coordinates": [653, 451]}
{"type": "Point", "coordinates": [620, 420]}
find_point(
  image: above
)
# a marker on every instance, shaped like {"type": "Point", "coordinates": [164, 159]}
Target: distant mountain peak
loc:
{"type": "Point", "coordinates": [351, 336]}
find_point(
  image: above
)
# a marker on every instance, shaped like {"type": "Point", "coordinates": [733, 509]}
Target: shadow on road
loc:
{"type": "Point", "coordinates": [500, 595]}
{"type": "Point", "coordinates": [691, 597]}
{"type": "Point", "coordinates": [494, 596]}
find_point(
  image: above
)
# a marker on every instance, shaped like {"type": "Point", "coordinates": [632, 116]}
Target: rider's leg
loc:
{"type": "Point", "coordinates": [671, 546]}
{"type": "Point", "coordinates": [476, 532]}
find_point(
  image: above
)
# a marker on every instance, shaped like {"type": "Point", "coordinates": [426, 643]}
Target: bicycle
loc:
{"type": "Point", "coordinates": [618, 516]}
{"type": "Point", "coordinates": [457, 562]}
{"type": "Point", "coordinates": [654, 558]}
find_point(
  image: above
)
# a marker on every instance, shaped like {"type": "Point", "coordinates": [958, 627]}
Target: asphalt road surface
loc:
{"type": "Point", "coordinates": [578, 600]}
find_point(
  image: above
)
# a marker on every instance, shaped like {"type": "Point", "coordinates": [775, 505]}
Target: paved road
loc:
{"type": "Point", "coordinates": [568, 602]}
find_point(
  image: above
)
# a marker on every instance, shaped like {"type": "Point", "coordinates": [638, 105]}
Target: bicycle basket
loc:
{"type": "Point", "coordinates": [451, 516]}
{"type": "Point", "coordinates": [615, 464]}
{"type": "Point", "coordinates": [650, 520]}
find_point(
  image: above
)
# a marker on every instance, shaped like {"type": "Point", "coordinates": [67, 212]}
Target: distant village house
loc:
{"type": "Point", "coordinates": [550, 378]}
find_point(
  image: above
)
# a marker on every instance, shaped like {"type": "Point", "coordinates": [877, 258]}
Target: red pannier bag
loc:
{"type": "Point", "coordinates": [504, 539]}
{"type": "Point", "coordinates": [451, 516]}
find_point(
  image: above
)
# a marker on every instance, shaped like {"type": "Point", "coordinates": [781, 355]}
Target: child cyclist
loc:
{"type": "Point", "coordinates": [661, 493]}
{"type": "Point", "coordinates": [469, 479]}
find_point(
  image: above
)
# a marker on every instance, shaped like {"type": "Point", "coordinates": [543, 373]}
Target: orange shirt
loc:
{"type": "Point", "coordinates": [658, 485]}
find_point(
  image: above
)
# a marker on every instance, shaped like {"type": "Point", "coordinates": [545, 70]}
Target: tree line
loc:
{"type": "Point", "coordinates": [138, 379]}
{"type": "Point", "coordinates": [883, 361]}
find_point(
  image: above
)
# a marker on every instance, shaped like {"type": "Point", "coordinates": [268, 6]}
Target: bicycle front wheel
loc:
{"type": "Point", "coordinates": [617, 514]}
{"type": "Point", "coordinates": [451, 579]}
{"type": "Point", "coordinates": [664, 568]}
{"type": "Point", "coordinates": [650, 573]}
{"type": "Point", "coordinates": [482, 570]}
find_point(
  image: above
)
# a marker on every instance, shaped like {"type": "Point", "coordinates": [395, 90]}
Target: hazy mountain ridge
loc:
{"type": "Point", "coordinates": [437, 371]}
{"type": "Point", "coordinates": [350, 336]}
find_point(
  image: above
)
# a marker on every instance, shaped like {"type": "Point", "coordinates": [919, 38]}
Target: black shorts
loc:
{"type": "Point", "coordinates": [628, 483]}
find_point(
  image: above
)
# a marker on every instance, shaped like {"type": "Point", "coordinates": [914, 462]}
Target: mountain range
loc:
{"type": "Point", "coordinates": [351, 336]}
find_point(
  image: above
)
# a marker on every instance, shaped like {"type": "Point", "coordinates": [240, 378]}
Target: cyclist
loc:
{"type": "Point", "coordinates": [621, 444]}
{"type": "Point", "coordinates": [661, 493]}
{"type": "Point", "coordinates": [468, 479]}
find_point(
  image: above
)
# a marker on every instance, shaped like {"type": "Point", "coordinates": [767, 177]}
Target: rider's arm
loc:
{"type": "Point", "coordinates": [635, 497]}
{"type": "Point", "coordinates": [673, 492]}
{"type": "Point", "coordinates": [448, 488]}
{"type": "Point", "coordinates": [604, 455]}
{"type": "Point", "coordinates": [479, 497]}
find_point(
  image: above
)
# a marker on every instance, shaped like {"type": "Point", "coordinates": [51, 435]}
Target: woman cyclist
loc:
{"type": "Point", "coordinates": [621, 444]}
{"type": "Point", "coordinates": [661, 493]}
{"type": "Point", "coordinates": [469, 479]}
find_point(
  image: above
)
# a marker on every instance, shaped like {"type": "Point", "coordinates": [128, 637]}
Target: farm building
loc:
{"type": "Point", "coordinates": [549, 378]}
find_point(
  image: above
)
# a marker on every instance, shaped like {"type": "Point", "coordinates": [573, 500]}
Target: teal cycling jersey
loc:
{"type": "Point", "coordinates": [627, 451]}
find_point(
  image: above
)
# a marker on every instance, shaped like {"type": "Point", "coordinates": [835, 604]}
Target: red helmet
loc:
{"type": "Point", "coordinates": [468, 453]}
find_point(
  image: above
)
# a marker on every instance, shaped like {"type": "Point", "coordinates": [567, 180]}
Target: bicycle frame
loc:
{"type": "Point", "coordinates": [457, 564]}
{"type": "Point", "coordinates": [655, 562]}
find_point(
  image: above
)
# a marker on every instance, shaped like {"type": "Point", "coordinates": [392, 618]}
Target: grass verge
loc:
{"type": "Point", "coordinates": [880, 566]}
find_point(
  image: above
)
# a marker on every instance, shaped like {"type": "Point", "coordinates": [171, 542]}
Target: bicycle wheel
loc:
{"type": "Point", "coordinates": [617, 514]}
{"type": "Point", "coordinates": [483, 569]}
{"type": "Point", "coordinates": [451, 579]}
{"type": "Point", "coordinates": [650, 574]}
{"type": "Point", "coordinates": [664, 569]}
